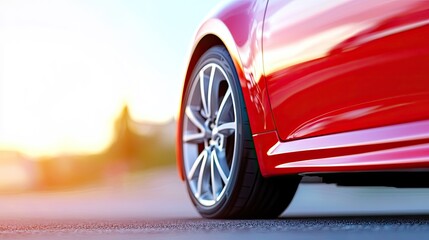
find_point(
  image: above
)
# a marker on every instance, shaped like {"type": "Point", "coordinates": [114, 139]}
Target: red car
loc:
{"type": "Point", "coordinates": [280, 89]}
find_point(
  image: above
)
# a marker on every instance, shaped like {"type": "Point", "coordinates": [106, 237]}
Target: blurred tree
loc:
{"type": "Point", "coordinates": [125, 143]}
{"type": "Point", "coordinates": [136, 146]}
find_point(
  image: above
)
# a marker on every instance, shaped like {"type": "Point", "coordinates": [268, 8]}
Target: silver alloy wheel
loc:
{"type": "Point", "coordinates": [209, 134]}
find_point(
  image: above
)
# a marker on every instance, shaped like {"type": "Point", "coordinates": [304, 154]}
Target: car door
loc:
{"type": "Point", "coordinates": [342, 65]}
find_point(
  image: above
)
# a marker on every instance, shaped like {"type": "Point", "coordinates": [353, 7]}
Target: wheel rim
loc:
{"type": "Point", "coordinates": [209, 134]}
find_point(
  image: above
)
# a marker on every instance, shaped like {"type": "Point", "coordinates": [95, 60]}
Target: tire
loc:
{"type": "Point", "coordinates": [220, 165]}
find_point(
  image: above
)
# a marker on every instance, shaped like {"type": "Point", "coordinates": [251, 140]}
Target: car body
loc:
{"type": "Point", "coordinates": [329, 86]}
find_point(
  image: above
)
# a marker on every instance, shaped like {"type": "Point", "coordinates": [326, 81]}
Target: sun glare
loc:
{"type": "Point", "coordinates": [63, 79]}
{"type": "Point", "coordinates": [56, 95]}
{"type": "Point", "coordinates": [67, 68]}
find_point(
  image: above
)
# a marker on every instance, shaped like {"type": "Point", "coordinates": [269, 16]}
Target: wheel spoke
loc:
{"type": "Point", "coordinates": [213, 93]}
{"type": "Point", "coordinates": [222, 167]}
{"type": "Point", "coordinates": [212, 174]}
{"type": "Point", "coordinates": [201, 157]}
{"type": "Point", "coordinates": [195, 118]}
{"type": "Point", "coordinates": [201, 176]}
{"type": "Point", "coordinates": [203, 93]}
{"type": "Point", "coordinates": [225, 106]}
{"type": "Point", "coordinates": [194, 137]}
{"type": "Point", "coordinates": [226, 128]}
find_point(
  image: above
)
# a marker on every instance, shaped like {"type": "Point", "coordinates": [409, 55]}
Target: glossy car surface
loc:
{"type": "Point", "coordinates": [329, 86]}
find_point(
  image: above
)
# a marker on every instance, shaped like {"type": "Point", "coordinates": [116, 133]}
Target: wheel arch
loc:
{"type": "Point", "coordinates": [243, 44]}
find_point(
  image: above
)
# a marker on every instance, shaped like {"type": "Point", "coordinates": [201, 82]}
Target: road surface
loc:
{"type": "Point", "coordinates": [155, 206]}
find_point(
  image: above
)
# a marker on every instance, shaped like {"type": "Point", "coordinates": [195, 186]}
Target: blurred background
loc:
{"type": "Point", "coordinates": [89, 89]}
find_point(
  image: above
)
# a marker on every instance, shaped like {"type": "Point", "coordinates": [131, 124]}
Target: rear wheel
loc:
{"type": "Point", "coordinates": [220, 165]}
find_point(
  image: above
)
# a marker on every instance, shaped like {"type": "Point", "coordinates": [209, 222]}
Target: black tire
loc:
{"type": "Point", "coordinates": [247, 194]}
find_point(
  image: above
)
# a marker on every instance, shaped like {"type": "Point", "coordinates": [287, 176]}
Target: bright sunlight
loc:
{"type": "Point", "coordinates": [67, 68]}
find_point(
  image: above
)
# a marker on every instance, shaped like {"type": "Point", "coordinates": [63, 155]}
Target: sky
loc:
{"type": "Point", "coordinates": [68, 67]}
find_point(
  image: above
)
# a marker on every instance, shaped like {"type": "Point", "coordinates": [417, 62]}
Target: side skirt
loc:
{"type": "Point", "coordinates": [401, 146]}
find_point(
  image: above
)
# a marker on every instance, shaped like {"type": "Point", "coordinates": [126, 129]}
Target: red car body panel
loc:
{"type": "Point", "coordinates": [346, 65]}
{"type": "Point", "coordinates": [328, 88]}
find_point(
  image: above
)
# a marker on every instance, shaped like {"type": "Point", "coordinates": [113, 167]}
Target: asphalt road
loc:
{"type": "Point", "coordinates": [155, 206]}
{"type": "Point", "coordinates": [388, 227]}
